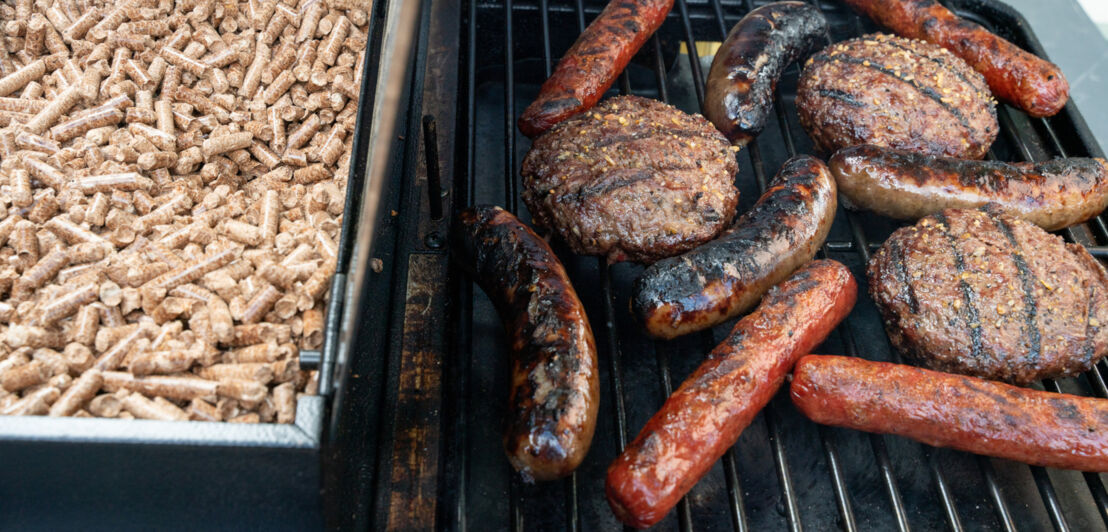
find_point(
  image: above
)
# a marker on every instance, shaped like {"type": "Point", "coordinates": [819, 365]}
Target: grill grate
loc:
{"type": "Point", "coordinates": [775, 476]}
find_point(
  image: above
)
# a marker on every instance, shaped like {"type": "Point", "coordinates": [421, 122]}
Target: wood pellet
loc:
{"type": "Point", "coordinates": [172, 181]}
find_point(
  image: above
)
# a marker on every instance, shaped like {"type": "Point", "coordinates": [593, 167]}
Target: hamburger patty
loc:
{"type": "Point", "coordinates": [982, 293]}
{"type": "Point", "coordinates": [632, 179]}
{"type": "Point", "coordinates": [895, 92]}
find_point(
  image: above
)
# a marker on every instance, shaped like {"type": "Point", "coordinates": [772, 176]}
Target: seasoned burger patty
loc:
{"type": "Point", "coordinates": [898, 93]}
{"type": "Point", "coordinates": [982, 293]}
{"type": "Point", "coordinates": [632, 179]}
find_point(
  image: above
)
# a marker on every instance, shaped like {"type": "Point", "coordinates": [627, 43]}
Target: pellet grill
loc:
{"type": "Point", "coordinates": [406, 431]}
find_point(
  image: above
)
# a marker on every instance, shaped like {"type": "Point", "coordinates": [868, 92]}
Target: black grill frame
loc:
{"type": "Point", "coordinates": [467, 496]}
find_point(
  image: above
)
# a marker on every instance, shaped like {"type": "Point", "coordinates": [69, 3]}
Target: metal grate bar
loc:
{"type": "Point", "coordinates": [614, 355]}
{"type": "Point", "coordinates": [573, 513]}
{"type": "Point", "coordinates": [1042, 478]}
{"type": "Point", "coordinates": [511, 202]}
{"type": "Point", "coordinates": [771, 416]}
{"type": "Point", "coordinates": [944, 490]}
{"type": "Point", "coordinates": [734, 489]}
{"type": "Point", "coordinates": [1002, 510]}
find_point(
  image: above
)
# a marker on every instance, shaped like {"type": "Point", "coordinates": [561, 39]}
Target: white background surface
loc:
{"type": "Point", "coordinates": [1078, 46]}
{"type": "Point", "coordinates": [1098, 11]}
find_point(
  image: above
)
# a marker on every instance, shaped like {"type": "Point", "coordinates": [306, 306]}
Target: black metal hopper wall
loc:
{"type": "Point", "coordinates": [785, 472]}
{"type": "Point", "coordinates": [95, 474]}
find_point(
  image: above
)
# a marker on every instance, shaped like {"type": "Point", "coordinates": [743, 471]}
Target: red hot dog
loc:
{"type": "Point", "coordinates": [1014, 75]}
{"type": "Point", "coordinates": [594, 62]}
{"type": "Point", "coordinates": [945, 410]}
{"type": "Point", "coordinates": [705, 416]}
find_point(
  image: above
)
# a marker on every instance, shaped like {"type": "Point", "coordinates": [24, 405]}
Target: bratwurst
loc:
{"type": "Point", "coordinates": [908, 186]}
{"type": "Point", "coordinates": [944, 410]}
{"type": "Point", "coordinates": [725, 277]}
{"type": "Point", "coordinates": [555, 390]}
{"type": "Point", "coordinates": [748, 64]}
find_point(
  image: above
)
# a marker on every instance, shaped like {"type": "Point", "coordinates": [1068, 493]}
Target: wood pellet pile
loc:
{"type": "Point", "coordinates": [172, 180]}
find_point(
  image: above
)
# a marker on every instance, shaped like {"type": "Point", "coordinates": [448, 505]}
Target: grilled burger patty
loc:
{"type": "Point", "coordinates": [898, 93]}
{"type": "Point", "coordinates": [632, 179]}
{"type": "Point", "coordinates": [982, 293]}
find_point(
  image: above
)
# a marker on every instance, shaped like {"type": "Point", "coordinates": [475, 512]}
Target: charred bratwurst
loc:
{"type": "Point", "coordinates": [979, 292]}
{"type": "Point", "coordinates": [555, 390]}
{"type": "Point", "coordinates": [727, 276]}
{"type": "Point", "coordinates": [632, 179]}
{"type": "Point", "coordinates": [898, 93]}
{"type": "Point", "coordinates": [747, 66]}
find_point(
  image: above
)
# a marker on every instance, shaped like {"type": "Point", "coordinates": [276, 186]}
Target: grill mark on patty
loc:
{"type": "Point", "coordinates": [604, 187]}
{"type": "Point", "coordinates": [937, 60]}
{"type": "Point", "coordinates": [648, 133]}
{"type": "Point", "coordinates": [1034, 335]}
{"type": "Point", "coordinates": [896, 256]}
{"type": "Point", "coordinates": [973, 323]}
{"type": "Point", "coordinates": [842, 96]}
{"type": "Point", "coordinates": [926, 91]}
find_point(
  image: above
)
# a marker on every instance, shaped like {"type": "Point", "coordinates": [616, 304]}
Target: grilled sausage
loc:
{"type": "Point", "coordinates": [555, 390]}
{"type": "Point", "coordinates": [1016, 76]}
{"type": "Point", "coordinates": [944, 410]}
{"type": "Point", "coordinates": [907, 186]}
{"type": "Point", "coordinates": [746, 68]}
{"type": "Point", "coordinates": [705, 416]}
{"type": "Point", "coordinates": [723, 278]}
{"type": "Point", "coordinates": [594, 62]}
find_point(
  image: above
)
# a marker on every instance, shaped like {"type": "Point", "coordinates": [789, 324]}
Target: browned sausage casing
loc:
{"type": "Point", "coordinates": [727, 276]}
{"type": "Point", "coordinates": [907, 186]}
{"type": "Point", "coordinates": [555, 391]}
{"type": "Point", "coordinates": [944, 410]}
{"type": "Point", "coordinates": [594, 62]}
{"type": "Point", "coordinates": [749, 63]}
{"type": "Point", "coordinates": [705, 416]}
{"type": "Point", "coordinates": [1016, 76]}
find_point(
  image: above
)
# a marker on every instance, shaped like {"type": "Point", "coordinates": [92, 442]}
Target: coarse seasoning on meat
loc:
{"type": "Point", "coordinates": [632, 179]}
{"type": "Point", "coordinates": [982, 293]}
{"type": "Point", "coordinates": [897, 93]}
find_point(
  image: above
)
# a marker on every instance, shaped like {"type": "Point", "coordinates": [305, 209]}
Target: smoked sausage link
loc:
{"type": "Point", "coordinates": [1014, 75]}
{"type": "Point", "coordinates": [554, 379]}
{"type": "Point", "coordinates": [905, 185]}
{"type": "Point", "coordinates": [705, 416]}
{"type": "Point", "coordinates": [749, 63]}
{"type": "Point", "coordinates": [594, 62]}
{"type": "Point", "coordinates": [946, 410]}
{"type": "Point", "coordinates": [727, 276]}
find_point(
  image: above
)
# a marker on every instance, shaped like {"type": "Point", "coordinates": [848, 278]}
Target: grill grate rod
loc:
{"type": "Point", "coordinates": [771, 415]}
{"type": "Point", "coordinates": [731, 475]}
{"type": "Point", "coordinates": [1095, 376]}
{"type": "Point", "coordinates": [1042, 478]}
